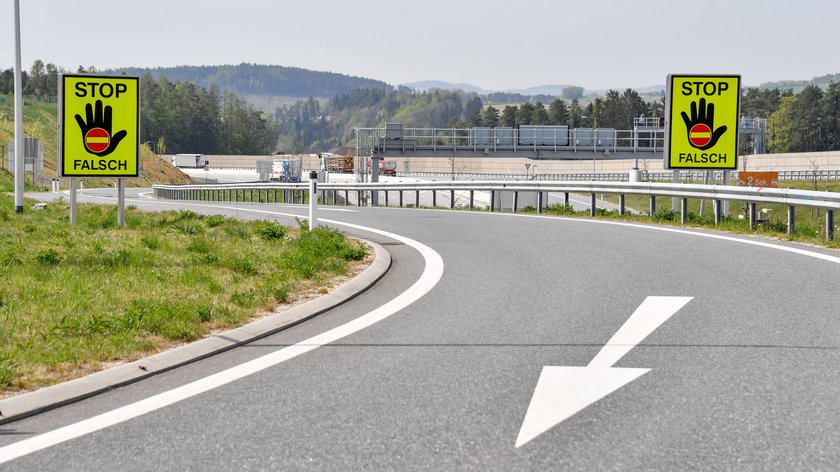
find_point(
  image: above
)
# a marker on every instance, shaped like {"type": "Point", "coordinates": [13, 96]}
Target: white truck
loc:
{"type": "Point", "coordinates": [188, 160]}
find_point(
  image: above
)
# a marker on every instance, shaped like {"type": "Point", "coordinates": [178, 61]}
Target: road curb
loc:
{"type": "Point", "coordinates": [33, 403]}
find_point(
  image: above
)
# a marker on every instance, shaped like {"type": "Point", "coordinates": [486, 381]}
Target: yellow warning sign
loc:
{"type": "Point", "coordinates": [99, 123]}
{"type": "Point", "coordinates": [702, 121]}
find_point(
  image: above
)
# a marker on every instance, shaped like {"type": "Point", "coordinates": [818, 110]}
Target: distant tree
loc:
{"type": "Point", "coordinates": [509, 116]}
{"type": "Point", "coordinates": [780, 125]}
{"type": "Point", "coordinates": [540, 115]}
{"type": "Point", "coordinates": [807, 121]}
{"type": "Point", "coordinates": [524, 114]}
{"type": "Point", "coordinates": [473, 107]}
{"type": "Point", "coordinates": [831, 117]}
{"type": "Point", "coordinates": [572, 92]}
{"type": "Point", "coordinates": [575, 114]}
{"type": "Point", "coordinates": [633, 106]}
{"type": "Point", "coordinates": [491, 117]}
{"type": "Point", "coordinates": [558, 113]}
{"type": "Point", "coordinates": [36, 85]}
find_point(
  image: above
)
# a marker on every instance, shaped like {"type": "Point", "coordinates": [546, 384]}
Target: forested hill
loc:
{"type": "Point", "coordinates": [255, 79]}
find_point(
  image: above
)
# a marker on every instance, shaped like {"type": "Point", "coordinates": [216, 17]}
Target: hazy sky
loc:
{"type": "Point", "coordinates": [490, 43]}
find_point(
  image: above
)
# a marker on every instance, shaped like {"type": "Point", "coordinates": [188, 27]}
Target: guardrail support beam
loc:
{"type": "Point", "coordinates": [652, 208]}
{"type": "Point", "coordinates": [451, 199]}
{"type": "Point", "coordinates": [492, 199]}
{"type": "Point", "coordinates": [472, 199]}
{"type": "Point", "coordinates": [791, 219]}
{"type": "Point", "coordinates": [829, 225]}
{"type": "Point", "coordinates": [621, 200]}
{"type": "Point", "coordinates": [434, 199]}
{"type": "Point", "coordinates": [752, 215]}
{"type": "Point", "coordinates": [683, 210]}
{"type": "Point", "coordinates": [716, 208]}
{"type": "Point", "coordinates": [593, 210]}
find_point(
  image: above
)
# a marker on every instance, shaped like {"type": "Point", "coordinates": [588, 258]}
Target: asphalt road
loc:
{"type": "Point", "coordinates": [744, 376]}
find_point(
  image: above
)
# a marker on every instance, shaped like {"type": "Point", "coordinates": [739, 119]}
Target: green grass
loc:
{"type": "Point", "coordinates": [74, 298]}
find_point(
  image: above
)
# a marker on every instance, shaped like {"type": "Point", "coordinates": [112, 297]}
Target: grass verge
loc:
{"type": "Point", "coordinates": [75, 299]}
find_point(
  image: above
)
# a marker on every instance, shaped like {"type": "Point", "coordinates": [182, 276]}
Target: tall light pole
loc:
{"type": "Point", "coordinates": [19, 170]}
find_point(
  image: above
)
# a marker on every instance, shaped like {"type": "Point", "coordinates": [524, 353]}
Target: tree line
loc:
{"type": "Point", "coordinates": [174, 117]}
{"type": "Point", "coordinates": [805, 122]}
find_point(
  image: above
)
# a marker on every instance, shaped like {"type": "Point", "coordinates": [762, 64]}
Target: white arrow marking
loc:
{"type": "Point", "coordinates": [562, 392]}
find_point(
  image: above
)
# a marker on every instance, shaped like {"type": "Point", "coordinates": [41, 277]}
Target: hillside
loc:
{"type": "Point", "coordinates": [255, 79]}
{"type": "Point", "coordinates": [40, 119]}
{"type": "Point", "coordinates": [797, 85]}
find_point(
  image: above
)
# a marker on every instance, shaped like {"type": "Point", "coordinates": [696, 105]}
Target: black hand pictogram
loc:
{"type": "Point", "coordinates": [101, 119]}
{"type": "Point", "coordinates": [704, 116]}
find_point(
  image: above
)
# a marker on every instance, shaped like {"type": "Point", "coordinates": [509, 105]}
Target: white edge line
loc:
{"type": "Point", "coordinates": [431, 275]}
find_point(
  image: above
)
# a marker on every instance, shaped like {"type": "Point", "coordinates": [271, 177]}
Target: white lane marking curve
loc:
{"type": "Point", "coordinates": [431, 275]}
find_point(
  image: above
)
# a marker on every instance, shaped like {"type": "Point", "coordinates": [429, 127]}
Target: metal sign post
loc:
{"type": "Point", "coordinates": [120, 202]}
{"type": "Point", "coordinates": [72, 200]}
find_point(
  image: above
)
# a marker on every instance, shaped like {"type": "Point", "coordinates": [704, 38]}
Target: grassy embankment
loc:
{"type": "Point", "coordinates": [74, 299]}
{"type": "Point", "coordinates": [40, 119]}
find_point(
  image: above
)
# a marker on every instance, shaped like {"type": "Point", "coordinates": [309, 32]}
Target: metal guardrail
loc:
{"type": "Point", "coordinates": [263, 193]}
{"type": "Point", "coordinates": [685, 176]}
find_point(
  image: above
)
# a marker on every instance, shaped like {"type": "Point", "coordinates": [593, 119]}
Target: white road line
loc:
{"type": "Point", "coordinates": [651, 314]}
{"type": "Point", "coordinates": [794, 250]}
{"type": "Point", "coordinates": [432, 273]}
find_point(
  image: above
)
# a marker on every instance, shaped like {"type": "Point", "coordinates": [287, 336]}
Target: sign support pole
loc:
{"type": "Point", "coordinates": [120, 203]}
{"type": "Point", "coordinates": [72, 200]}
{"type": "Point", "coordinates": [19, 170]}
{"type": "Point", "coordinates": [675, 202]}
{"type": "Point", "coordinates": [725, 207]}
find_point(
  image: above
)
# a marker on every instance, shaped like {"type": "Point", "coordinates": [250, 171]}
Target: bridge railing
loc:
{"type": "Point", "coordinates": [557, 138]}
{"type": "Point", "coordinates": [370, 192]}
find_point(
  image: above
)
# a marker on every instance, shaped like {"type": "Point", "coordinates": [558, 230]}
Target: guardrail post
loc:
{"type": "Point", "coordinates": [359, 198]}
{"type": "Point", "coordinates": [313, 199]}
{"type": "Point", "coordinates": [593, 210]}
{"type": "Point", "coordinates": [346, 197]}
{"type": "Point", "coordinates": [791, 214]}
{"type": "Point", "coordinates": [434, 198]}
{"type": "Point", "coordinates": [386, 198]}
{"type": "Point", "coordinates": [683, 210]}
{"type": "Point", "coordinates": [621, 204]}
{"type": "Point", "coordinates": [566, 198]}
{"type": "Point", "coordinates": [752, 215]}
{"type": "Point", "coordinates": [652, 206]}
{"type": "Point", "coordinates": [829, 225]}
{"type": "Point", "coordinates": [716, 208]}
{"type": "Point", "coordinates": [472, 199]}
{"type": "Point", "coordinates": [401, 198]}
{"type": "Point", "coordinates": [540, 199]}
{"type": "Point", "coordinates": [515, 201]}
{"type": "Point", "coordinates": [417, 199]}
{"type": "Point", "coordinates": [451, 199]}
{"type": "Point", "coordinates": [492, 200]}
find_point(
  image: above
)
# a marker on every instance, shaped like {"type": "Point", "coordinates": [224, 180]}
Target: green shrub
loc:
{"type": "Point", "coordinates": [8, 369]}
{"type": "Point", "coordinates": [199, 245]}
{"type": "Point", "coordinates": [215, 220]}
{"type": "Point", "coordinates": [150, 241]}
{"type": "Point", "coordinates": [269, 230]}
{"type": "Point", "coordinates": [48, 257]}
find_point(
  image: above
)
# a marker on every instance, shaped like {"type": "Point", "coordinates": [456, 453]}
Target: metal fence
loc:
{"type": "Point", "coordinates": [370, 192]}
